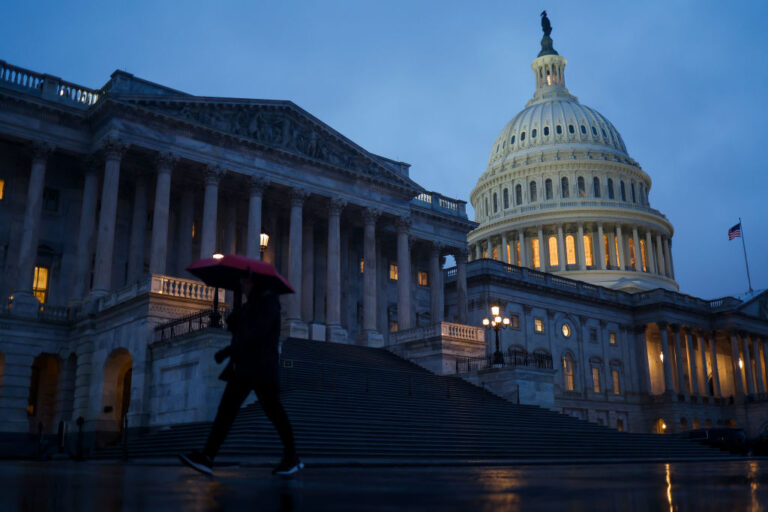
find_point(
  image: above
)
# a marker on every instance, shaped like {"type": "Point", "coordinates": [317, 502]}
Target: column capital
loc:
{"type": "Point", "coordinates": [437, 247]}
{"type": "Point", "coordinates": [165, 161]}
{"type": "Point", "coordinates": [213, 173]}
{"type": "Point", "coordinates": [662, 325]}
{"type": "Point", "coordinates": [113, 147]}
{"type": "Point", "coordinates": [403, 224]}
{"type": "Point", "coordinates": [639, 329]}
{"type": "Point", "coordinates": [335, 206]}
{"type": "Point", "coordinates": [370, 215]}
{"type": "Point", "coordinates": [298, 196]}
{"type": "Point", "coordinates": [41, 149]}
{"type": "Point", "coordinates": [460, 253]}
{"type": "Point", "coordinates": [257, 184]}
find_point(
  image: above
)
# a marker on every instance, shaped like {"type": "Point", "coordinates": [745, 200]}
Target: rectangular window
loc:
{"type": "Point", "coordinates": [517, 251]}
{"type": "Point", "coordinates": [393, 271]}
{"type": "Point", "coordinates": [612, 338]}
{"type": "Point", "coordinates": [620, 424]}
{"type": "Point", "coordinates": [40, 284]}
{"type": "Point", "coordinates": [362, 265]}
{"type": "Point", "coordinates": [423, 278]}
{"type": "Point", "coordinates": [615, 377]}
{"type": "Point", "coordinates": [642, 255]}
{"type": "Point", "coordinates": [607, 251]}
{"type": "Point", "coordinates": [50, 199]}
{"type": "Point", "coordinates": [393, 326]}
{"type": "Point", "coordinates": [535, 253]}
{"type": "Point", "coordinates": [509, 254]}
{"type": "Point", "coordinates": [595, 379]}
{"type": "Point", "coordinates": [2, 189]}
{"type": "Point", "coordinates": [588, 260]}
{"type": "Point", "coordinates": [538, 325]}
{"type": "Point", "coordinates": [632, 262]}
{"type": "Point", "coordinates": [194, 230]}
{"type": "Point", "coordinates": [568, 372]}
{"type": "Point", "coordinates": [514, 321]}
{"type": "Point", "coordinates": [593, 335]}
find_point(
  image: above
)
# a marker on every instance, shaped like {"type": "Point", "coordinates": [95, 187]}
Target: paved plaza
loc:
{"type": "Point", "coordinates": [113, 486]}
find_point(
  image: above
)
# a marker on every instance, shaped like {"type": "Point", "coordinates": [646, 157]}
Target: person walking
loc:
{"type": "Point", "coordinates": [253, 366]}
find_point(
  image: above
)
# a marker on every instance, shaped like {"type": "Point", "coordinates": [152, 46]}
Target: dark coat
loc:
{"type": "Point", "coordinates": [253, 351]}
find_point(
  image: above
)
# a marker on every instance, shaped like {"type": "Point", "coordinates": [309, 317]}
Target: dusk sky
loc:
{"type": "Point", "coordinates": [432, 84]}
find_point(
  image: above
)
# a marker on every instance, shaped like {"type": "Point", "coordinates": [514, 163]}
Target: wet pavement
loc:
{"type": "Point", "coordinates": [112, 486]}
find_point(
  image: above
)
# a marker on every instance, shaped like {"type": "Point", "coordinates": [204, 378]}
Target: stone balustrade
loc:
{"type": "Point", "coordinates": [459, 332]}
{"type": "Point", "coordinates": [577, 203]}
{"type": "Point", "coordinates": [183, 288]}
{"type": "Point", "coordinates": [50, 87]}
{"type": "Point", "coordinates": [439, 202]}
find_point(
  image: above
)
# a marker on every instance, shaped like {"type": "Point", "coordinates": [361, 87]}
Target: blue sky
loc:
{"type": "Point", "coordinates": [432, 83]}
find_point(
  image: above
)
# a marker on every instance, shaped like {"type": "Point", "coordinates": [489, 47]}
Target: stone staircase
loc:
{"type": "Point", "coordinates": [358, 404]}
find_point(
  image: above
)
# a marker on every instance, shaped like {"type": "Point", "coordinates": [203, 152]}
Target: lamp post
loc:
{"type": "Point", "coordinates": [496, 322]}
{"type": "Point", "coordinates": [263, 243]}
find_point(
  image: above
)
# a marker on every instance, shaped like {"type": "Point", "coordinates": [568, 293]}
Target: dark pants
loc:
{"type": "Point", "coordinates": [234, 395]}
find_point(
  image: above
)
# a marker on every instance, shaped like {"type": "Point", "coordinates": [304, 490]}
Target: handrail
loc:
{"type": "Point", "coordinates": [191, 323]}
{"type": "Point", "coordinates": [513, 359]}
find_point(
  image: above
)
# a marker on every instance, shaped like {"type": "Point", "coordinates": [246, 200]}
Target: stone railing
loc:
{"type": "Point", "coordinates": [183, 288]}
{"type": "Point", "coordinates": [453, 331]}
{"type": "Point", "coordinates": [438, 202]}
{"type": "Point", "coordinates": [47, 86]}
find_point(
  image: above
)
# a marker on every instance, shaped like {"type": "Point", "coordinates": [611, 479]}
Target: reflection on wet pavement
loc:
{"type": "Point", "coordinates": [107, 487]}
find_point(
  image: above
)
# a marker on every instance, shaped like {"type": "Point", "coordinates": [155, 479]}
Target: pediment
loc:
{"type": "Point", "coordinates": [756, 306]}
{"type": "Point", "coordinates": [282, 126]}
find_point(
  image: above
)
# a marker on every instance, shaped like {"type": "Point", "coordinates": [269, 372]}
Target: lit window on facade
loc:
{"type": "Point", "coordinates": [606, 251]}
{"type": "Point", "coordinates": [619, 263]}
{"type": "Point", "coordinates": [595, 379]}
{"type": "Point", "coordinates": [2, 189]}
{"type": "Point", "coordinates": [514, 321]}
{"type": "Point", "coordinates": [588, 258]}
{"type": "Point", "coordinates": [566, 330]}
{"type": "Point", "coordinates": [40, 284]}
{"type": "Point", "coordinates": [538, 325]}
{"type": "Point", "coordinates": [362, 265]}
{"type": "Point", "coordinates": [568, 373]}
{"type": "Point", "coordinates": [570, 250]}
{"type": "Point", "coordinates": [632, 253]}
{"type": "Point", "coordinates": [612, 338]}
{"type": "Point", "coordinates": [620, 424]}
{"type": "Point", "coordinates": [423, 278]}
{"type": "Point", "coordinates": [615, 378]}
{"type": "Point", "coordinates": [517, 252]}
{"type": "Point", "coordinates": [642, 255]}
{"type": "Point", "coordinates": [393, 326]}
{"type": "Point", "coordinates": [552, 243]}
{"type": "Point", "coordinates": [194, 230]}
{"type": "Point", "coordinates": [393, 271]}
{"type": "Point", "coordinates": [535, 253]}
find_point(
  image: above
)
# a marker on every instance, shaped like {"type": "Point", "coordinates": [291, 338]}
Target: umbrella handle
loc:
{"type": "Point", "coordinates": [215, 317]}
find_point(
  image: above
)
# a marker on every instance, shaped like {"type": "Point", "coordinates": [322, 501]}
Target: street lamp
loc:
{"type": "Point", "coordinates": [215, 316]}
{"type": "Point", "coordinates": [263, 243]}
{"type": "Point", "coordinates": [496, 322]}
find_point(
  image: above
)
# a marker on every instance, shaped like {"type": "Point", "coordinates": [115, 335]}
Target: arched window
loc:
{"type": "Point", "coordinates": [643, 255]}
{"type": "Point", "coordinates": [532, 191]}
{"type": "Point", "coordinates": [518, 195]}
{"type": "Point", "coordinates": [632, 189]}
{"type": "Point", "coordinates": [594, 131]}
{"type": "Point", "coordinates": [588, 258]}
{"type": "Point", "coordinates": [522, 137]}
{"type": "Point", "coordinates": [610, 189]}
{"type": "Point", "coordinates": [582, 187]}
{"type": "Point", "coordinates": [570, 250]}
{"type": "Point", "coordinates": [506, 198]}
{"type": "Point", "coordinates": [564, 187]}
{"type": "Point", "coordinates": [583, 129]}
{"type": "Point", "coordinates": [533, 133]}
{"type": "Point", "coordinates": [548, 188]}
{"type": "Point", "coordinates": [559, 129]}
{"type": "Point", "coordinates": [546, 131]}
{"type": "Point", "coordinates": [606, 250]}
{"type": "Point", "coordinates": [495, 202]}
{"type": "Point", "coordinates": [569, 383]}
{"type": "Point", "coordinates": [596, 186]}
{"type": "Point", "coordinates": [512, 140]}
{"type": "Point", "coordinates": [552, 242]}
{"type": "Point", "coordinates": [632, 262]}
{"type": "Point", "coordinates": [596, 364]}
{"type": "Point", "coordinates": [535, 253]}
{"type": "Point", "coordinates": [623, 192]}
{"type": "Point", "coordinates": [570, 128]}
{"type": "Point", "coordinates": [642, 194]}
{"type": "Point", "coordinates": [604, 135]}
{"type": "Point", "coordinates": [487, 211]}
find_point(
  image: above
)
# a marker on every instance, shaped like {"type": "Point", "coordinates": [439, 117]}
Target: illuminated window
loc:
{"type": "Point", "coordinates": [595, 379]}
{"type": "Point", "coordinates": [535, 253]}
{"type": "Point", "coordinates": [642, 255]}
{"type": "Point", "coordinates": [518, 194]}
{"type": "Point", "coordinates": [533, 191]}
{"type": "Point", "coordinates": [564, 187]}
{"type": "Point", "coordinates": [509, 254]}
{"type": "Point", "coordinates": [582, 187]}
{"type": "Point", "coordinates": [612, 338]}
{"type": "Point", "coordinates": [570, 250]}
{"type": "Point", "coordinates": [2, 189]}
{"type": "Point", "coordinates": [548, 189]}
{"type": "Point", "coordinates": [610, 189]}
{"type": "Point", "coordinates": [620, 424]}
{"type": "Point", "coordinates": [495, 254]}
{"type": "Point", "coordinates": [566, 330]}
{"type": "Point", "coordinates": [50, 199]}
{"type": "Point", "coordinates": [40, 284]}
{"type": "Point", "coordinates": [615, 378]}
{"type": "Point", "coordinates": [596, 186]}
{"type": "Point", "coordinates": [393, 326]}
{"type": "Point", "coordinates": [607, 252]}
{"type": "Point", "coordinates": [362, 265]}
{"type": "Point", "coordinates": [393, 271]}
{"type": "Point", "coordinates": [514, 321]}
{"type": "Point", "coordinates": [553, 261]}
{"type": "Point", "coordinates": [632, 253]}
{"type": "Point", "coordinates": [517, 252]}
{"type": "Point", "coordinates": [616, 245]}
{"type": "Point", "coordinates": [423, 278]}
{"type": "Point", "coordinates": [538, 325]}
{"type": "Point", "coordinates": [588, 258]}
{"type": "Point", "coordinates": [568, 373]}
{"type": "Point", "coordinates": [194, 230]}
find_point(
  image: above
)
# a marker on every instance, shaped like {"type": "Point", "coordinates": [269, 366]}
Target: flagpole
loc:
{"type": "Point", "coordinates": [744, 246]}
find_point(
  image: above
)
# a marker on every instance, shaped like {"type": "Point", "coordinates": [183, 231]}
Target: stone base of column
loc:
{"type": "Point", "coordinates": [373, 339]}
{"type": "Point", "coordinates": [295, 329]}
{"type": "Point", "coordinates": [317, 332]}
{"type": "Point", "coordinates": [336, 334]}
{"type": "Point", "coordinates": [25, 304]}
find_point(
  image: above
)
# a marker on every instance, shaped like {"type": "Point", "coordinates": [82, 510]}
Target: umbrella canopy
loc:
{"type": "Point", "coordinates": [225, 272]}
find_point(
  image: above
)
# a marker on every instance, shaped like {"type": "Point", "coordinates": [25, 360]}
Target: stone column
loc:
{"type": "Point", "coordinates": [703, 351]}
{"type": "Point", "coordinates": [295, 233]}
{"type": "Point", "coordinates": [308, 271]}
{"type": "Point", "coordinates": [622, 263]}
{"type": "Point", "coordinates": [210, 211]}
{"type": "Point", "coordinates": [582, 254]}
{"type": "Point", "coordinates": [436, 284]}
{"type": "Point", "coordinates": [370, 334]}
{"type": "Point", "coordinates": [642, 360]}
{"type": "Point", "coordinates": [461, 284]}
{"type": "Point", "coordinates": [693, 373]}
{"type": "Point", "coordinates": [638, 252]}
{"type": "Point", "coordinates": [24, 301]}
{"type": "Point", "coordinates": [105, 244]}
{"type": "Point", "coordinates": [257, 185]}
{"type": "Point", "coordinates": [747, 363]}
{"type": "Point", "coordinates": [613, 257]}
{"type": "Point", "coordinates": [335, 332]}
{"type": "Point", "coordinates": [489, 242]}
{"type": "Point", "coordinates": [601, 245]}
{"type": "Point", "coordinates": [542, 259]}
{"type": "Point", "coordinates": [660, 268]}
{"type": "Point", "coordinates": [715, 372]}
{"type": "Point", "coordinates": [186, 221]}
{"type": "Point", "coordinates": [403, 275]}
{"type": "Point", "coordinates": [738, 382]}
{"type": "Point", "coordinates": [667, 363]}
{"type": "Point", "coordinates": [668, 259]}
{"type": "Point", "coordinates": [759, 385]}
{"type": "Point", "coordinates": [681, 389]}
{"type": "Point", "coordinates": [478, 251]}
{"type": "Point", "coordinates": [159, 246]}
{"type": "Point", "coordinates": [649, 259]}
{"type": "Point", "coordinates": [85, 234]}
{"type": "Point", "coordinates": [523, 256]}
{"type": "Point", "coordinates": [561, 259]}
{"type": "Point", "coordinates": [137, 242]}
{"type": "Point", "coordinates": [504, 257]}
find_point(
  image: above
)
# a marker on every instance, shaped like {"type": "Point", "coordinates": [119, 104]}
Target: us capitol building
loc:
{"type": "Point", "coordinates": [106, 195]}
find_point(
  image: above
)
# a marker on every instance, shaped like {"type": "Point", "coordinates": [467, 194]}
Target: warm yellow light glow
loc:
{"type": "Point", "coordinates": [422, 278]}
{"type": "Point", "coordinates": [535, 253]}
{"type": "Point", "coordinates": [486, 322]}
{"type": "Point", "coordinates": [2, 189]}
{"type": "Point", "coordinates": [669, 484]}
{"type": "Point", "coordinates": [553, 259]}
{"type": "Point", "coordinates": [393, 271]}
{"type": "Point", "coordinates": [40, 284]}
{"type": "Point", "coordinates": [588, 259]}
{"type": "Point", "coordinates": [506, 321]}
{"type": "Point", "coordinates": [741, 364]}
{"type": "Point", "coordinates": [218, 256]}
{"type": "Point", "coordinates": [570, 250]}
{"type": "Point", "coordinates": [661, 356]}
{"type": "Point", "coordinates": [632, 261]}
{"type": "Point", "coordinates": [497, 319]}
{"type": "Point", "coordinates": [663, 426]}
{"type": "Point", "coordinates": [643, 256]}
{"type": "Point", "coordinates": [495, 310]}
{"type": "Point", "coordinates": [263, 241]}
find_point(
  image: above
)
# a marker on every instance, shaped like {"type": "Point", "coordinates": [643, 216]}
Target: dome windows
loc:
{"type": "Point", "coordinates": [570, 129]}
{"type": "Point", "coordinates": [495, 202]}
{"type": "Point", "coordinates": [583, 129]}
{"type": "Point", "coordinates": [596, 186]}
{"type": "Point", "coordinates": [610, 189]}
{"type": "Point", "coordinates": [522, 137]}
{"type": "Point", "coordinates": [532, 190]}
{"type": "Point", "coordinates": [506, 198]}
{"type": "Point", "coordinates": [559, 129]}
{"type": "Point", "coordinates": [623, 192]}
{"type": "Point", "coordinates": [594, 131]}
{"type": "Point", "coordinates": [512, 140]}
{"type": "Point", "coordinates": [548, 189]}
{"type": "Point", "coordinates": [533, 133]}
{"type": "Point", "coordinates": [518, 195]}
{"type": "Point", "coordinates": [604, 135]}
{"type": "Point", "coordinates": [632, 190]}
{"type": "Point", "coordinates": [582, 187]}
{"type": "Point", "coordinates": [546, 131]}
{"type": "Point", "coordinates": [564, 187]}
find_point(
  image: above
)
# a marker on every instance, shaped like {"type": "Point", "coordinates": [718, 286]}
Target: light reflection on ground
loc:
{"type": "Point", "coordinates": [107, 487]}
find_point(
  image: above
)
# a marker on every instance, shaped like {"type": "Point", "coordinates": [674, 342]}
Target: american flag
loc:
{"type": "Point", "coordinates": [734, 232]}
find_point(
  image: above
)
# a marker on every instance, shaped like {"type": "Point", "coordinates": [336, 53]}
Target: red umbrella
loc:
{"type": "Point", "coordinates": [225, 271]}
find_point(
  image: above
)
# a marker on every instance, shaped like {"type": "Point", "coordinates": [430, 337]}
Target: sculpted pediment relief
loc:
{"type": "Point", "coordinates": [280, 126]}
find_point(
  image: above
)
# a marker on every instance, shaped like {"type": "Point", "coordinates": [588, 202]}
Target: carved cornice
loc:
{"type": "Point", "coordinates": [403, 224]}
{"type": "Point", "coordinates": [335, 206]}
{"type": "Point", "coordinates": [213, 174]}
{"type": "Point", "coordinates": [257, 184]}
{"type": "Point", "coordinates": [370, 215]}
{"type": "Point", "coordinates": [298, 196]}
{"type": "Point", "coordinates": [113, 147]}
{"type": "Point", "coordinates": [165, 161]}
